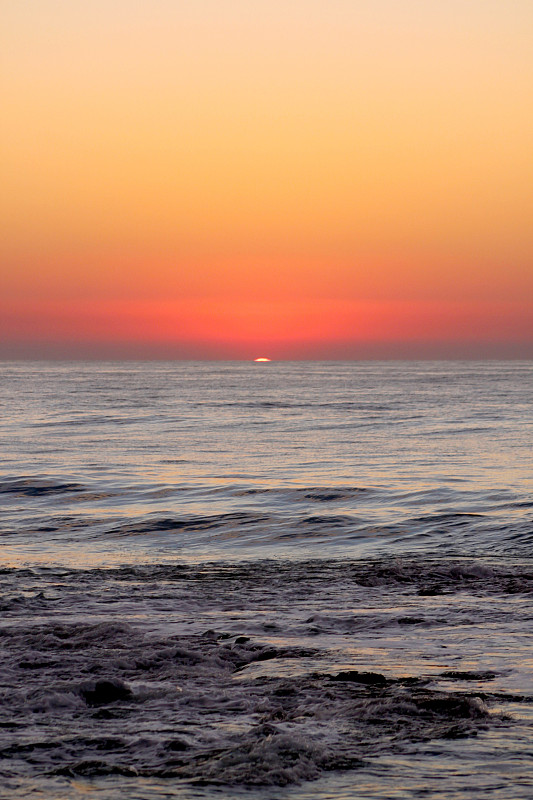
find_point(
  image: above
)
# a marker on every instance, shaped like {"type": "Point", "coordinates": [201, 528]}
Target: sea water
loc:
{"type": "Point", "coordinates": [304, 580]}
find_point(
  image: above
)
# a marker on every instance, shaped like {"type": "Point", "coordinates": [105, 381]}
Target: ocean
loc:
{"type": "Point", "coordinates": [282, 580]}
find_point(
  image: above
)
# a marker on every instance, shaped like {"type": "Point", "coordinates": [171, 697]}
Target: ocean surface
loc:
{"type": "Point", "coordinates": [282, 580]}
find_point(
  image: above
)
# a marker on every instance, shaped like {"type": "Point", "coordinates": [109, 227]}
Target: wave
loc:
{"type": "Point", "coordinates": [319, 494]}
{"type": "Point", "coordinates": [83, 420]}
{"type": "Point", "coordinates": [238, 517]}
{"type": "Point", "coordinates": [38, 487]}
{"type": "Point", "coordinates": [192, 522]}
{"type": "Point", "coordinates": [333, 405]}
{"type": "Point", "coordinates": [420, 575]}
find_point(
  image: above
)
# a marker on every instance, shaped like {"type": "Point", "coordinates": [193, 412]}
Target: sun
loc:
{"type": "Point", "coordinates": [262, 359]}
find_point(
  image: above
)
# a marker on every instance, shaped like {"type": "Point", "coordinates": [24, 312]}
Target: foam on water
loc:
{"type": "Point", "coordinates": [259, 674]}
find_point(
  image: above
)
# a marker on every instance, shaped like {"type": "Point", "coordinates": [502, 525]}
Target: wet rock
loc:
{"type": "Point", "coordinates": [265, 655]}
{"type": "Point", "coordinates": [177, 745]}
{"type": "Point", "coordinates": [105, 713]}
{"type": "Point", "coordinates": [285, 691]}
{"type": "Point", "coordinates": [457, 675]}
{"type": "Point", "coordinates": [365, 678]}
{"type": "Point", "coordinates": [102, 693]}
{"type": "Point", "coordinates": [453, 706]}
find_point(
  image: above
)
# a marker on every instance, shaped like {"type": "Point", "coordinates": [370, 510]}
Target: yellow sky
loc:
{"type": "Point", "coordinates": [241, 152]}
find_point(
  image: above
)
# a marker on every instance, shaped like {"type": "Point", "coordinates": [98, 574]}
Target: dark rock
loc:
{"type": "Point", "coordinates": [365, 678]}
{"type": "Point", "coordinates": [103, 692]}
{"type": "Point", "coordinates": [177, 745]}
{"type": "Point", "coordinates": [457, 707]}
{"type": "Point", "coordinates": [105, 713]}
{"type": "Point", "coordinates": [265, 655]}
{"type": "Point", "coordinates": [457, 675]}
{"type": "Point", "coordinates": [285, 691]}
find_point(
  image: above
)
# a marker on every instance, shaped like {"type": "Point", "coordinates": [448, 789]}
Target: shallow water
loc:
{"type": "Point", "coordinates": [287, 580]}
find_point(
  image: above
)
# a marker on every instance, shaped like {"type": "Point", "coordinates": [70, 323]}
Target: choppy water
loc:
{"type": "Point", "coordinates": [282, 580]}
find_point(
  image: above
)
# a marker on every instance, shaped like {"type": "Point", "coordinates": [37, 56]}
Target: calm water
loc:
{"type": "Point", "coordinates": [304, 580]}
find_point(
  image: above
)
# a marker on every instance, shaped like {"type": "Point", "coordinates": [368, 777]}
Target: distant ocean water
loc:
{"type": "Point", "coordinates": [305, 580]}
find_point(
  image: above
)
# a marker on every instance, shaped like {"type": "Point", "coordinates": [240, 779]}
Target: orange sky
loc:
{"type": "Point", "coordinates": [296, 178]}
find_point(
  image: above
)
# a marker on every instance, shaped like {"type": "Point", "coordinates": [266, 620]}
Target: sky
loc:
{"type": "Point", "coordinates": [282, 178]}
